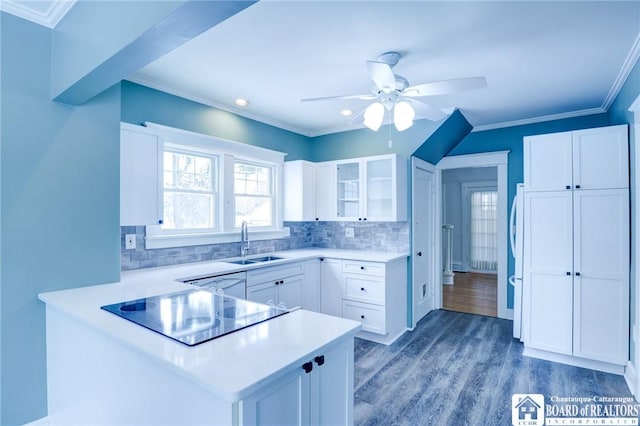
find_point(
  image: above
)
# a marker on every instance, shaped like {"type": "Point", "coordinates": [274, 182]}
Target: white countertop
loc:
{"type": "Point", "coordinates": [199, 269]}
{"type": "Point", "coordinates": [234, 365]}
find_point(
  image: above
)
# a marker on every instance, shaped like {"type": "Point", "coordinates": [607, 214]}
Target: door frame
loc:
{"type": "Point", "coordinates": [417, 163]}
{"type": "Point", "coordinates": [499, 159]}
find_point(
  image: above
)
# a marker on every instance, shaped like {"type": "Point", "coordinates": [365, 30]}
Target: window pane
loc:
{"type": "Point", "coordinates": [252, 179]}
{"type": "Point", "coordinates": [188, 210]}
{"type": "Point", "coordinates": [189, 172]}
{"type": "Point", "coordinates": [255, 210]}
{"type": "Point", "coordinates": [189, 190]}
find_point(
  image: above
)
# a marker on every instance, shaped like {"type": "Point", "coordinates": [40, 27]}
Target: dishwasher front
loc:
{"type": "Point", "coordinates": [230, 284]}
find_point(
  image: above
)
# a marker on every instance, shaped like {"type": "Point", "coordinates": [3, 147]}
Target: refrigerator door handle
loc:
{"type": "Point", "coordinates": [512, 227]}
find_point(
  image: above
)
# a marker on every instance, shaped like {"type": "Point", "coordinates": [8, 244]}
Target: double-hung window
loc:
{"type": "Point", "coordinates": [190, 190]}
{"type": "Point", "coordinates": [253, 190]}
{"type": "Point", "coordinates": [208, 186]}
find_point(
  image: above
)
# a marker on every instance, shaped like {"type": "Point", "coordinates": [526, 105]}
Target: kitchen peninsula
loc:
{"type": "Point", "coordinates": [293, 369]}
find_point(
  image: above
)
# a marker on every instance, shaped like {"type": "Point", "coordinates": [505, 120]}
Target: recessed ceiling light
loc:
{"type": "Point", "coordinates": [241, 102]}
{"type": "Point", "coordinates": [346, 113]}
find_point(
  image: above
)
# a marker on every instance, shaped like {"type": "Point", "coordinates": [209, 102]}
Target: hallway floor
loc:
{"type": "Point", "coordinates": [460, 369]}
{"type": "Point", "coordinates": [473, 293]}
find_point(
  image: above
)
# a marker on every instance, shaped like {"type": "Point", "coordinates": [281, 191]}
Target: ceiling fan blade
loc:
{"type": "Point", "coordinates": [444, 87]}
{"type": "Point", "coordinates": [329, 98]}
{"type": "Point", "coordinates": [426, 110]}
{"type": "Point", "coordinates": [382, 75]}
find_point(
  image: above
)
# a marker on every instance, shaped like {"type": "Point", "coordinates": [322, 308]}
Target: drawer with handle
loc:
{"type": "Point", "coordinates": [364, 268]}
{"type": "Point", "coordinates": [372, 317]}
{"type": "Point", "coordinates": [364, 289]}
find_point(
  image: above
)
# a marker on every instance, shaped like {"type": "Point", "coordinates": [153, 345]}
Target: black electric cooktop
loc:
{"type": "Point", "coordinates": [194, 316]}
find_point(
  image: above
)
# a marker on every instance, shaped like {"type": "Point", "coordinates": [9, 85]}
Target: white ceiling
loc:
{"type": "Point", "coordinates": [542, 59]}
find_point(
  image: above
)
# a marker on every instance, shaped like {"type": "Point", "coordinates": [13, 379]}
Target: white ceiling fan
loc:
{"type": "Point", "coordinates": [393, 93]}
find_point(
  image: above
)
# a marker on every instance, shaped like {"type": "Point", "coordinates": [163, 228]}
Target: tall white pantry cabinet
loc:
{"type": "Point", "coordinates": [576, 247]}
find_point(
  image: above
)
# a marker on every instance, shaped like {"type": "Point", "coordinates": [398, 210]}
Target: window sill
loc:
{"type": "Point", "coordinates": [170, 241]}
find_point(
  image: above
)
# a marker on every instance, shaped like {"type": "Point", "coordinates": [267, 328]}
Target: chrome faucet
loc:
{"type": "Point", "coordinates": [244, 239]}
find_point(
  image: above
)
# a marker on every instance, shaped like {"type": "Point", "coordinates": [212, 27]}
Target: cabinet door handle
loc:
{"type": "Point", "coordinates": [361, 288]}
{"type": "Point", "coordinates": [568, 187]}
{"type": "Point", "coordinates": [317, 218]}
{"type": "Point", "coordinates": [419, 253]}
{"type": "Point", "coordinates": [160, 221]}
{"type": "Point", "coordinates": [362, 268]}
{"type": "Point", "coordinates": [577, 274]}
{"type": "Point", "coordinates": [364, 218]}
{"type": "Point", "coordinates": [359, 218]}
{"type": "Point", "coordinates": [577, 186]}
{"type": "Point", "coordinates": [307, 367]}
{"type": "Point", "coordinates": [319, 360]}
{"type": "Point", "coordinates": [361, 316]}
{"type": "Point", "coordinates": [568, 273]}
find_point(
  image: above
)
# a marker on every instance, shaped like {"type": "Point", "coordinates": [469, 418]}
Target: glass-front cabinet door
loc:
{"type": "Point", "coordinates": [379, 189]}
{"type": "Point", "coordinates": [348, 189]}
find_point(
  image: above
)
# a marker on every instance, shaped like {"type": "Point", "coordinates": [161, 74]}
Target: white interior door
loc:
{"type": "Point", "coordinates": [423, 239]}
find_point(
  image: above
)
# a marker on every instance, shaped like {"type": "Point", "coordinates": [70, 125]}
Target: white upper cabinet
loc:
{"type": "Point", "coordinates": [601, 158]}
{"type": "Point", "coordinates": [358, 189]}
{"type": "Point", "coordinates": [325, 191]}
{"type": "Point", "coordinates": [370, 189]}
{"type": "Point", "coordinates": [348, 184]}
{"type": "Point", "coordinates": [139, 150]}
{"type": "Point", "coordinates": [299, 191]}
{"type": "Point", "coordinates": [583, 159]}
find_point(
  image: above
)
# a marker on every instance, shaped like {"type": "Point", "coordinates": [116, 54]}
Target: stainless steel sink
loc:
{"type": "Point", "coordinates": [265, 259]}
{"type": "Point", "coordinates": [240, 262]}
{"type": "Point", "coordinates": [254, 260]}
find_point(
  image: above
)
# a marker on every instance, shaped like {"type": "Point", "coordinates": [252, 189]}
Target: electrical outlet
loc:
{"type": "Point", "coordinates": [130, 241]}
{"type": "Point", "coordinates": [349, 232]}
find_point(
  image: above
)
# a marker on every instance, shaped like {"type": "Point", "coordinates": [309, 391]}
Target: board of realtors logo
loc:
{"type": "Point", "coordinates": [527, 409]}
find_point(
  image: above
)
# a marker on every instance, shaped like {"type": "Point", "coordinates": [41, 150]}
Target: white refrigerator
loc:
{"type": "Point", "coordinates": [516, 231]}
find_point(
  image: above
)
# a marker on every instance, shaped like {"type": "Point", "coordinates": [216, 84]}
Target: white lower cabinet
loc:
{"type": "Point", "coordinates": [277, 285]}
{"type": "Point", "coordinates": [317, 392]}
{"type": "Point", "coordinates": [331, 286]}
{"type": "Point", "coordinates": [311, 298]}
{"type": "Point", "coordinates": [576, 277]}
{"type": "Point", "coordinates": [373, 293]}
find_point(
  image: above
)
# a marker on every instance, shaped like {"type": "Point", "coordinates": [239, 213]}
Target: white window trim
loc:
{"type": "Point", "coordinates": [228, 150]}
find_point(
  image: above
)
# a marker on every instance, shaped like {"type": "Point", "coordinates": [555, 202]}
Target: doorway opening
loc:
{"type": "Point", "coordinates": [470, 219]}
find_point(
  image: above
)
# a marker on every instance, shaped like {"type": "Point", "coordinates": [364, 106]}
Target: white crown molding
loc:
{"type": "Point", "coordinates": [168, 88]}
{"type": "Point", "coordinates": [543, 118]}
{"type": "Point", "coordinates": [627, 66]}
{"type": "Point", "coordinates": [54, 14]}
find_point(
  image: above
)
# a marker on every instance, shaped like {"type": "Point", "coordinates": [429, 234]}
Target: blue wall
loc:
{"type": "Point", "coordinates": [140, 104]}
{"type": "Point", "coordinates": [60, 206]}
{"type": "Point", "coordinates": [364, 142]}
{"type": "Point", "coordinates": [510, 138]}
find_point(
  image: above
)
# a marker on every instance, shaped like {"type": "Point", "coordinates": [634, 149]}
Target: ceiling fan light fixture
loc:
{"type": "Point", "coordinates": [373, 116]}
{"type": "Point", "coordinates": [403, 115]}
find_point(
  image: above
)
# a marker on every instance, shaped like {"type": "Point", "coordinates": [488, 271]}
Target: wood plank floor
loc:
{"type": "Point", "coordinates": [460, 369]}
{"type": "Point", "coordinates": [471, 292]}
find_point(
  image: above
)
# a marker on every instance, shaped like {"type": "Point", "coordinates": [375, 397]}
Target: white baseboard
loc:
{"type": "Point", "coordinates": [39, 422]}
{"type": "Point", "coordinates": [631, 377]}
{"type": "Point", "coordinates": [607, 367]}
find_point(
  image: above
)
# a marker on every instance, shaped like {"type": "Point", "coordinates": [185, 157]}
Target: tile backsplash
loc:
{"type": "Point", "coordinates": [390, 237]}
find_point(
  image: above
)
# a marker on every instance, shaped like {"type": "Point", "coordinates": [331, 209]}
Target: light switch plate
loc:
{"type": "Point", "coordinates": [130, 241]}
